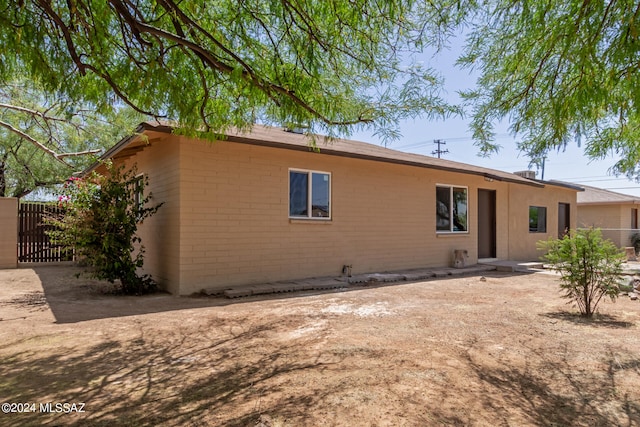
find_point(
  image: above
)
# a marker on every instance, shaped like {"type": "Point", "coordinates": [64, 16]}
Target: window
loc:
{"type": "Point", "coordinates": [451, 209]}
{"type": "Point", "coordinates": [634, 218]}
{"type": "Point", "coordinates": [537, 219]}
{"type": "Point", "coordinates": [138, 196]}
{"type": "Point", "coordinates": [309, 194]}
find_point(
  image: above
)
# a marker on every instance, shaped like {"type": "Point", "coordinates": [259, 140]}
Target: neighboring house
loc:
{"type": "Point", "coordinates": [616, 214]}
{"type": "Point", "coordinates": [264, 206]}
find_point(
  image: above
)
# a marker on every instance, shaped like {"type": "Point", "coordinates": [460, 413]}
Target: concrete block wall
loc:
{"type": "Point", "coordinates": [8, 232]}
{"type": "Point", "coordinates": [159, 162]}
{"type": "Point", "coordinates": [235, 227]}
{"type": "Point", "coordinates": [522, 242]}
{"type": "Point", "coordinates": [225, 221]}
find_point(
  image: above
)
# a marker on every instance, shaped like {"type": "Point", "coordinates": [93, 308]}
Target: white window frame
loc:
{"type": "Point", "coordinates": [451, 187]}
{"type": "Point", "coordinates": [309, 216]}
{"type": "Point", "coordinates": [138, 196]}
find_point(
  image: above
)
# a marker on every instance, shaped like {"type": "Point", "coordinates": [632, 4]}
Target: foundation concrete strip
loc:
{"type": "Point", "coordinates": [385, 277]}
{"type": "Point", "coordinates": [441, 273]}
{"type": "Point", "coordinates": [237, 293]}
{"type": "Point", "coordinates": [262, 289]}
{"type": "Point", "coordinates": [418, 275]}
{"type": "Point", "coordinates": [325, 283]}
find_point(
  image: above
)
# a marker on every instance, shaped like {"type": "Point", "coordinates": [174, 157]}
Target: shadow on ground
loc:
{"type": "Point", "coordinates": [598, 320]}
{"type": "Point", "coordinates": [199, 378]}
{"type": "Point", "coordinates": [549, 392]}
{"type": "Point", "coordinates": [72, 299]}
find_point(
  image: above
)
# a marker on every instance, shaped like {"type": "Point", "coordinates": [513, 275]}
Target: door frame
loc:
{"type": "Point", "coordinates": [487, 223]}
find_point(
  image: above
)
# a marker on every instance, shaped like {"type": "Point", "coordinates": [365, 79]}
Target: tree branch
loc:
{"type": "Point", "coordinates": [35, 142]}
{"type": "Point", "coordinates": [78, 153]}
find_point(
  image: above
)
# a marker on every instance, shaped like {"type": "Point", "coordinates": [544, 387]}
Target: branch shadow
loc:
{"type": "Point", "coordinates": [190, 378]}
{"type": "Point", "coordinates": [553, 393]}
{"type": "Point", "coordinates": [598, 320]}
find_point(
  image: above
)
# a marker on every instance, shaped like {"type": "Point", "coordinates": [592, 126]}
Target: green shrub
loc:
{"type": "Point", "coordinates": [100, 224]}
{"type": "Point", "coordinates": [589, 267]}
{"type": "Point", "coordinates": [635, 241]}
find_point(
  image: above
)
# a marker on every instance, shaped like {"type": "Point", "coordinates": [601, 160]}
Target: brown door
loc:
{"type": "Point", "coordinates": [486, 223]}
{"type": "Point", "coordinates": [564, 218]}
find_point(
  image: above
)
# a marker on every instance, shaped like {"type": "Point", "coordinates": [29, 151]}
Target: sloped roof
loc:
{"type": "Point", "coordinates": [280, 138]}
{"type": "Point", "coordinates": [600, 196]}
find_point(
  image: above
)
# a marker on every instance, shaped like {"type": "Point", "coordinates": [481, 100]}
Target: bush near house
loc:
{"type": "Point", "coordinates": [100, 224]}
{"type": "Point", "coordinates": [589, 267]}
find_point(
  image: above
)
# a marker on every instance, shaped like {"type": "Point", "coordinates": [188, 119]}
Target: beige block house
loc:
{"type": "Point", "coordinates": [264, 206]}
{"type": "Point", "coordinates": [616, 214]}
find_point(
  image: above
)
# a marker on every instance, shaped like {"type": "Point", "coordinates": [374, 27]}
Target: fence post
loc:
{"type": "Point", "coordinates": [8, 232]}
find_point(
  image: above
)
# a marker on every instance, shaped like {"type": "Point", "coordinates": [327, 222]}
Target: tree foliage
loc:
{"type": "Point", "coordinates": [45, 137]}
{"type": "Point", "coordinates": [100, 223]}
{"type": "Point", "coordinates": [328, 65]}
{"type": "Point", "coordinates": [559, 71]}
{"type": "Point", "coordinates": [589, 267]}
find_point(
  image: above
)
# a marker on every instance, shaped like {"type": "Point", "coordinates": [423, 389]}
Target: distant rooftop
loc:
{"type": "Point", "coordinates": [600, 196]}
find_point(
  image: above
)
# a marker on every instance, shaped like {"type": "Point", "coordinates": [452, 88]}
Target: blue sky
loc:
{"type": "Point", "coordinates": [418, 136]}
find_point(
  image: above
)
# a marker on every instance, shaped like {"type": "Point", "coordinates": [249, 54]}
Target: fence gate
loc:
{"type": "Point", "coordinates": [33, 242]}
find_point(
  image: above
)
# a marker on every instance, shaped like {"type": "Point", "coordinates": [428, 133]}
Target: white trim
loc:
{"type": "Point", "coordinates": [309, 173]}
{"type": "Point", "coordinates": [139, 190]}
{"type": "Point", "coordinates": [450, 231]}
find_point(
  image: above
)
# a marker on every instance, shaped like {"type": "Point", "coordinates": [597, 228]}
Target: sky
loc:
{"type": "Point", "coordinates": [418, 136]}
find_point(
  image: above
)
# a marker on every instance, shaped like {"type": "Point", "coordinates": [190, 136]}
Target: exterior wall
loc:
{"type": "Point", "coordinates": [614, 220]}
{"type": "Point", "coordinates": [522, 242]}
{"type": "Point", "coordinates": [235, 227]}
{"type": "Point", "coordinates": [8, 232]}
{"type": "Point", "coordinates": [225, 219]}
{"type": "Point", "coordinates": [160, 234]}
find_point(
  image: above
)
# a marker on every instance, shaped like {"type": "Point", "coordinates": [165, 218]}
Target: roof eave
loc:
{"type": "Point", "coordinates": [146, 126]}
{"type": "Point", "coordinates": [338, 153]}
{"type": "Point", "coordinates": [122, 144]}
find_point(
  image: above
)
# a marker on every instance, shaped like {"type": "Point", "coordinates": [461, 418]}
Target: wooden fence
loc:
{"type": "Point", "coordinates": [33, 243]}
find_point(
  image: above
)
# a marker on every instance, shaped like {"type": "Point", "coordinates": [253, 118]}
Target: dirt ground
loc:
{"type": "Point", "coordinates": [503, 350]}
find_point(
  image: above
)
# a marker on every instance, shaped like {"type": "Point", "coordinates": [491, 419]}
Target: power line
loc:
{"type": "Point", "coordinates": [621, 188]}
{"type": "Point", "coordinates": [458, 139]}
{"type": "Point", "coordinates": [600, 180]}
{"type": "Point", "coordinates": [574, 178]}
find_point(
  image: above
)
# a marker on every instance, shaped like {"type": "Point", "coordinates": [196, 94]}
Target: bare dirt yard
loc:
{"type": "Point", "coordinates": [504, 350]}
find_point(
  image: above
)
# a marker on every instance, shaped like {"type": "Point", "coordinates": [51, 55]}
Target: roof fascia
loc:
{"type": "Point", "coordinates": [142, 127]}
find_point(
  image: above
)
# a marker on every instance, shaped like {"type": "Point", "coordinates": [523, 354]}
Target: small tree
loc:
{"type": "Point", "coordinates": [100, 223]}
{"type": "Point", "coordinates": [589, 267]}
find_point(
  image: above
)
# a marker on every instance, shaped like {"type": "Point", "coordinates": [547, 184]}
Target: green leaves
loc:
{"type": "Point", "coordinates": [559, 71]}
{"type": "Point", "coordinates": [589, 267]}
{"type": "Point", "coordinates": [100, 224]}
{"type": "Point", "coordinates": [324, 64]}
{"type": "Point", "coordinates": [44, 137]}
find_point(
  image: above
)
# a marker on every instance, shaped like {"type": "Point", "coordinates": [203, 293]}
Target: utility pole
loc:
{"type": "Point", "coordinates": [439, 151]}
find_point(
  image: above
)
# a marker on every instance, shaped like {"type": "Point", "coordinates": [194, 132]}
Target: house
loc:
{"type": "Point", "coordinates": [265, 206]}
{"type": "Point", "coordinates": [616, 214]}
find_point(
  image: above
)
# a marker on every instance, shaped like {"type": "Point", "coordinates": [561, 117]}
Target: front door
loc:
{"type": "Point", "coordinates": [486, 223]}
{"type": "Point", "coordinates": [564, 219]}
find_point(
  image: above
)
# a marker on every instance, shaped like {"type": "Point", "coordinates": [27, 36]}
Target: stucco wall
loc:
{"type": "Point", "coordinates": [522, 242]}
{"type": "Point", "coordinates": [8, 232]}
{"type": "Point", "coordinates": [614, 220]}
{"type": "Point", "coordinates": [600, 216]}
